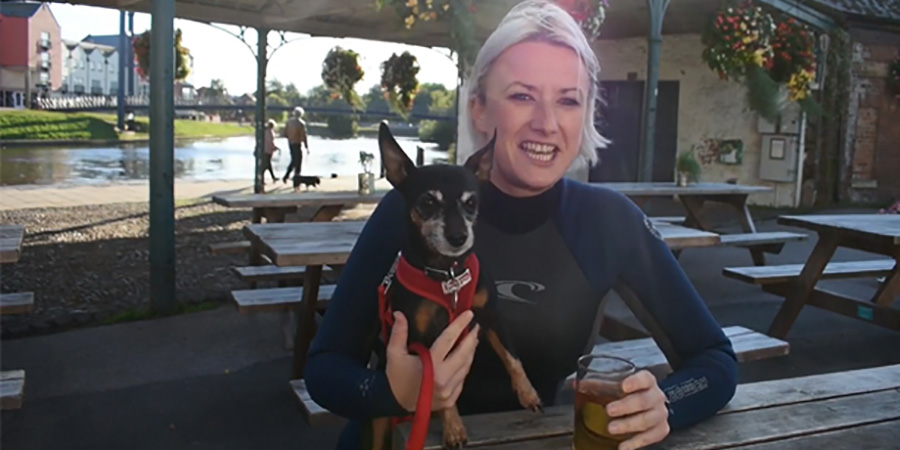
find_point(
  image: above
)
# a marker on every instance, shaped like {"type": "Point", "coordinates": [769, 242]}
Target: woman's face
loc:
{"type": "Point", "coordinates": [535, 97]}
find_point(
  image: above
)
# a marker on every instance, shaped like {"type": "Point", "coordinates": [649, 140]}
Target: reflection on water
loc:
{"type": "Point", "coordinates": [211, 159]}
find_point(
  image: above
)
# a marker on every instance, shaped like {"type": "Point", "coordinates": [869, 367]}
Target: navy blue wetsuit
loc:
{"type": "Point", "coordinates": [552, 257]}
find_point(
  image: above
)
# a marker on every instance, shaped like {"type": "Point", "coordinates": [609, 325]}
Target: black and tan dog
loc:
{"type": "Point", "coordinates": [438, 276]}
{"type": "Point", "coordinates": [308, 180]}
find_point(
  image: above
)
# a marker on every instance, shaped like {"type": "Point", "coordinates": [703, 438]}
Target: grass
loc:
{"type": "Point", "coordinates": [136, 314]}
{"type": "Point", "coordinates": [46, 125]}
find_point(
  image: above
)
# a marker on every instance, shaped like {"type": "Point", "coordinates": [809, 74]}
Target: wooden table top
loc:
{"type": "Point", "coordinates": [670, 188]}
{"type": "Point", "coordinates": [11, 242]}
{"type": "Point", "coordinates": [854, 409]}
{"type": "Point", "coordinates": [296, 199]}
{"type": "Point", "coordinates": [877, 227]}
{"type": "Point", "coordinates": [315, 243]}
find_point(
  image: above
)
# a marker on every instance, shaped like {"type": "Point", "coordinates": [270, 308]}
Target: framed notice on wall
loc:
{"type": "Point", "coordinates": [777, 148]}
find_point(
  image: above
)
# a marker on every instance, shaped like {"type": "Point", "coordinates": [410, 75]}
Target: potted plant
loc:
{"type": "Point", "coordinates": [367, 177]}
{"type": "Point", "coordinates": [687, 168]}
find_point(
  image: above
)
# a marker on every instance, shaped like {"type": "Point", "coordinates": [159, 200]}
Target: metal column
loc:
{"type": "Point", "coordinates": [162, 142]}
{"type": "Point", "coordinates": [657, 9]}
{"type": "Point", "coordinates": [120, 92]}
{"type": "Point", "coordinates": [262, 45]}
{"type": "Point", "coordinates": [130, 51]}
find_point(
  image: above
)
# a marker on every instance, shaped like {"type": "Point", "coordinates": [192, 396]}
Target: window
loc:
{"type": "Point", "coordinates": [45, 39]}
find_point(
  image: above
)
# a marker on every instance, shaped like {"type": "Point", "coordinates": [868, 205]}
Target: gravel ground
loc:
{"type": "Point", "coordinates": [87, 263]}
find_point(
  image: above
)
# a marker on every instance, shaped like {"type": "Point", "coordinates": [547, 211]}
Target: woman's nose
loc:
{"type": "Point", "coordinates": [544, 118]}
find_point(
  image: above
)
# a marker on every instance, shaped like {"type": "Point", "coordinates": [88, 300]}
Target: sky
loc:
{"type": "Point", "coordinates": [218, 54]}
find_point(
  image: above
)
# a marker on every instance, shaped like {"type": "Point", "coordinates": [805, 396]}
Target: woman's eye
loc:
{"type": "Point", "coordinates": [569, 101]}
{"type": "Point", "coordinates": [520, 96]}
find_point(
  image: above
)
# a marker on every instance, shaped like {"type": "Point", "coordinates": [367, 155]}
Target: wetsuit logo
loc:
{"type": "Point", "coordinates": [652, 228]}
{"type": "Point", "coordinates": [505, 290]}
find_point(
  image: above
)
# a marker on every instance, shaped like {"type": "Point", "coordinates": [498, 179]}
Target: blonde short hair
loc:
{"type": "Point", "coordinates": [531, 20]}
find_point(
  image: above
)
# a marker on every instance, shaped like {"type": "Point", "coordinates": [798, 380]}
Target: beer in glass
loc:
{"type": "Point", "coordinates": [598, 383]}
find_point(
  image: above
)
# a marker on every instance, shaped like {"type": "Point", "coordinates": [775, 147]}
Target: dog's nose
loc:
{"type": "Point", "coordinates": [457, 239]}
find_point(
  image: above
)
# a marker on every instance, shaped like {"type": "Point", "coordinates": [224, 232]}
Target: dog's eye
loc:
{"type": "Point", "coordinates": [470, 203]}
{"type": "Point", "coordinates": [429, 202]}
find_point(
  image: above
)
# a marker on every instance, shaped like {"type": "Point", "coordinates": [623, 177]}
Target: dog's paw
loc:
{"type": "Point", "coordinates": [528, 397]}
{"type": "Point", "coordinates": [455, 435]}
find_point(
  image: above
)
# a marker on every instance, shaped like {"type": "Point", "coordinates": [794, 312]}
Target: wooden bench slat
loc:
{"type": "Point", "coordinates": [269, 273]}
{"type": "Point", "coordinates": [315, 414]}
{"type": "Point", "coordinates": [765, 394]}
{"type": "Point", "coordinates": [787, 272]}
{"type": "Point", "coordinates": [668, 219]}
{"type": "Point", "coordinates": [758, 426]}
{"type": "Point", "coordinates": [761, 238]}
{"type": "Point", "coordinates": [16, 303]}
{"type": "Point", "coordinates": [878, 435]}
{"type": "Point", "coordinates": [748, 346]}
{"type": "Point", "coordinates": [12, 389]}
{"type": "Point", "coordinates": [276, 299]}
{"type": "Point", "coordinates": [229, 247]}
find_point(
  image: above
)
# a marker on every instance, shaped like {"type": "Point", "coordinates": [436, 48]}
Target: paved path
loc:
{"type": "Point", "coordinates": [37, 196]}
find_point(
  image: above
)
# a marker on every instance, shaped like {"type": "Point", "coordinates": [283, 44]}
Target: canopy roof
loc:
{"type": "Point", "coordinates": [359, 18]}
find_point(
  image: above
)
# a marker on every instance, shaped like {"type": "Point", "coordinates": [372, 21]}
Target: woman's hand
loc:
{"type": "Point", "coordinates": [404, 371]}
{"type": "Point", "coordinates": [642, 412]}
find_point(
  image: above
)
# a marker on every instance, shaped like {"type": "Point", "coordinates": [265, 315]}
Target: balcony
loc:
{"type": "Point", "coordinates": [44, 43]}
{"type": "Point", "coordinates": [45, 65]}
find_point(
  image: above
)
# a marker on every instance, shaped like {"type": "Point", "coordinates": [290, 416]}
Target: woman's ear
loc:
{"type": "Point", "coordinates": [477, 109]}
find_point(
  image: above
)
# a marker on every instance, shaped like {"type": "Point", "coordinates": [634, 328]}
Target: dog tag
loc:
{"type": "Point", "coordinates": [456, 284]}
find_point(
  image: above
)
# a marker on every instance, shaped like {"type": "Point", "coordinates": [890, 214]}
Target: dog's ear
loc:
{"type": "Point", "coordinates": [482, 161]}
{"type": "Point", "coordinates": [397, 165]}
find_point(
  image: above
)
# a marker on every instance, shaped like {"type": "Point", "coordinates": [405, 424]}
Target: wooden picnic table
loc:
{"type": "Point", "coordinates": [274, 207]}
{"type": "Point", "coordinates": [873, 233]}
{"type": "Point", "coordinates": [846, 410]}
{"type": "Point", "coordinates": [314, 244]}
{"type": "Point", "coordinates": [693, 196]}
{"type": "Point", "coordinates": [11, 237]}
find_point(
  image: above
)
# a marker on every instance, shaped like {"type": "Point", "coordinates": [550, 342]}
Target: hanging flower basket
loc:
{"type": "Point", "coordinates": [399, 82]}
{"type": "Point", "coordinates": [590, 14]}
{"type": "Point", "coordinates": [340, 73]}
{"type": "Point", "coordinates": [773, 57]}
{"type": "Point", "coordinates": [893, 78]}
{"type": "Point", "coordinates": [141, 46]}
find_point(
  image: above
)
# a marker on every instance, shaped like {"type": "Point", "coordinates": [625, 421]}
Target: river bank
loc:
{"type": "Point", "coordinates": [31, 127]}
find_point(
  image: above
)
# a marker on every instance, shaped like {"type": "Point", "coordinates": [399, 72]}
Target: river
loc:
{"type": "Point", "coordinates": [207, 159]}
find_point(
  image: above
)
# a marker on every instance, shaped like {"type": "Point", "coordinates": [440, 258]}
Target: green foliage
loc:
{"type": "Point", "coordinates": [442, 132]}
{"type": "Point", "coordinates": [136, 314]}
{"type": "Point", "coordinates": [687, 164]}
{"type": "Point", "coordinates": [26, 124]}
{"type": "Point", "coordinates": [48, 125]}
{"type": "Point", "coordinates": [343, 126]}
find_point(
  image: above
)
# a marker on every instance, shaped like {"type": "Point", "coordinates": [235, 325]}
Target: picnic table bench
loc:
{"type": "Point", "coordinates": [852, 409]}
{"type": "Point", "coordinates": [873, 233]}
{"type": "Point", "coordinates": [694, 195]}
{"type": "Point", "coordinates": [12, 382]}
{"type": "Point", "coordinates": [748, 346]}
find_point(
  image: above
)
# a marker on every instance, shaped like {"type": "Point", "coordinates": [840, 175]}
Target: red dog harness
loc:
{"type": "Point", "coordinates": [455, 295]}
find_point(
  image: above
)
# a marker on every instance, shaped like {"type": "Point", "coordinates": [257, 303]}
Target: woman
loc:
{"type": "Point", "coordinates": [270, 150]}
{"type": "Point", "coordinates": [555, 246]}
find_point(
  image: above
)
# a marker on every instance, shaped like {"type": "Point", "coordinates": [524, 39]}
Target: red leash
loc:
{"type": "Point", "coordinates": [423, 404]}
{"type": "Point", "coordinates": [462, 290]}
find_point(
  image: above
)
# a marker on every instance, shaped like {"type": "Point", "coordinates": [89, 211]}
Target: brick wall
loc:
{"type": "Point", "coordinates": [43, 20]}
{"type": "Point", "coordinates": [873, 146]}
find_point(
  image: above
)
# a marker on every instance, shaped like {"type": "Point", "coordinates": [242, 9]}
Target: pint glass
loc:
{"type": "Point", "coordinates": [598, 383]}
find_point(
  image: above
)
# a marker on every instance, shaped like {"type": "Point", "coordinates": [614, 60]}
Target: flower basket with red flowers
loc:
{"type": "Point", "coordinates": [773, 57]}
{"type": "Point", "coordinates": [141, 47]}
{"type": "Point", "coordinates": [399, 83]}
{"type": "Point", "coordinates": [340, 73]}
{"type": "Point", "coordinates": [893, 78]}
{"type": "Point", "coordinates": [590, 14]}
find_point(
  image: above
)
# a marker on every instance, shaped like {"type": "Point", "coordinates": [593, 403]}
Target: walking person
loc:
{"type": "Point", "coordinates": [295, 131]}
{"type": "Point", "coordinates": [269, 150]}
